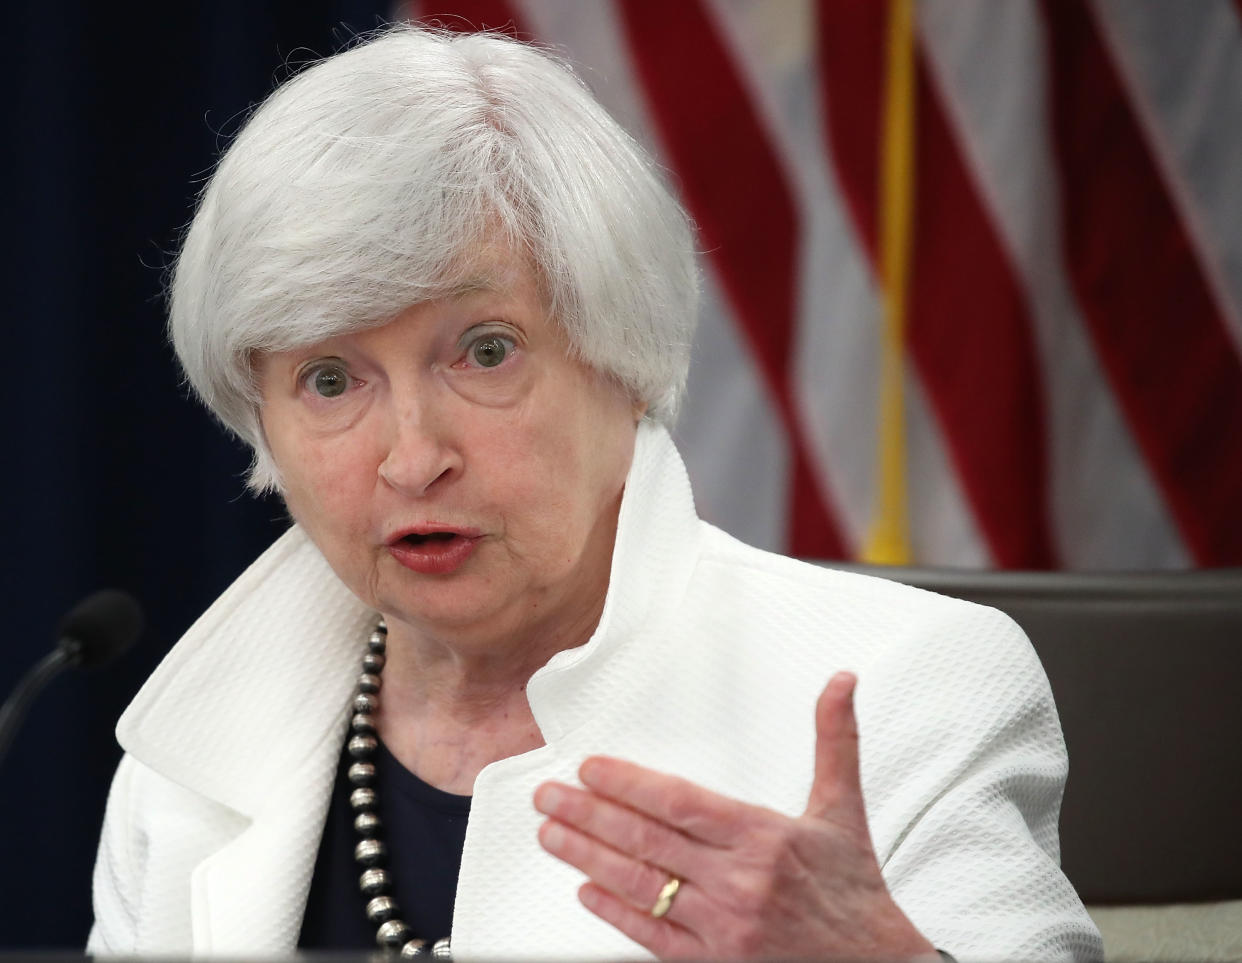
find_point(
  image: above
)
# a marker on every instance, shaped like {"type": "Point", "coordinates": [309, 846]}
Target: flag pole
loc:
{"type": "Point", "coordinates": [888, 542]}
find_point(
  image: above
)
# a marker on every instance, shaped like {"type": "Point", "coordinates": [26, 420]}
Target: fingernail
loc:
{"type": "Point", "coordinates": [548, 799]}
{"type": "Point", "coordinates": [552, 836]}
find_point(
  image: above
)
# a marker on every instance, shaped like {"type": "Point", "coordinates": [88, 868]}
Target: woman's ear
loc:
{"type": "Point", "coordinates": [639, 408]}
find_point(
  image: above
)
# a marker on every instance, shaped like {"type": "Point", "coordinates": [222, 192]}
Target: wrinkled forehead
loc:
{"type": "Point", "coordinates": [493, 268]}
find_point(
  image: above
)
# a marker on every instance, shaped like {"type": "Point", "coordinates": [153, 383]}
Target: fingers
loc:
{"type": "Point", "coordinates": [623, 829]}
{"type": "Point", "coordinates": [624, 890]}
{"type": "Point", "coordinates": [629, 858]}
{"type": "Point", "coordinates": [663, 937]}
{"type": "Point", "coordinates": [624, 852]}
{"type": "Point", "coordinates": [836, 783]}
{"type": "Point", "coordinates": [633, 880]}
{"type": "Point", "coordinates": [701, 814]}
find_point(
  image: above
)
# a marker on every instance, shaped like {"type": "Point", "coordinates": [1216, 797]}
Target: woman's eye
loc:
{"type": "Point", "coordinates": [329, 382]}
{"type": "Point", "coordinates": [490, 351]}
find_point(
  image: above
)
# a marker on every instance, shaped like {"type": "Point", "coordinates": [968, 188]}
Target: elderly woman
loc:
{"type": "Point", "coordinates": [498, 685]}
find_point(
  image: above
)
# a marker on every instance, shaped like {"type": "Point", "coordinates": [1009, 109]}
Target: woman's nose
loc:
{"type": "Point", "coordinates": [422, 453]}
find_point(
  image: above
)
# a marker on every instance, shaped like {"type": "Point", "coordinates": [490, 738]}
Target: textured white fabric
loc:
{"type": "Point", "coordinates": [707, 662]}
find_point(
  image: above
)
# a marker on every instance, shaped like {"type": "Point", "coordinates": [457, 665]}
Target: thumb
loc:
{"type": "Point", "coordinates": [836, 783]}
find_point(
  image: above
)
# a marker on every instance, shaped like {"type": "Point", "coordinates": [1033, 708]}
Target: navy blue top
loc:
{"type": "Point", "coordinates": [424, 830]}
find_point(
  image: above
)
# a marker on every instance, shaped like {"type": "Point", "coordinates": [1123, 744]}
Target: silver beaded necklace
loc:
{"type": "Point", "coordinates": [375, 882]}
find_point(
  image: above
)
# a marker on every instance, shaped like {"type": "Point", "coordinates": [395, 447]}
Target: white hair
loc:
{"type": "Point", "coordinates": [362, 185]}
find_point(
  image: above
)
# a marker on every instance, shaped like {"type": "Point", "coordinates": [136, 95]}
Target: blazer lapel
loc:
{"type": "Point", "coordinates": [248, 897]}
{"type": "Point", "coordinates": [210, 720]}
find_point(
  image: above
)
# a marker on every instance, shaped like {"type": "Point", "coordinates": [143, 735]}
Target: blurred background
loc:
{"type": "Point", "coordinates": [973, 278]}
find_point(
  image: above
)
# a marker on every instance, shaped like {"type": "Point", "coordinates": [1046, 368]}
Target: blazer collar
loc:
{"type": "Point", "coordinates": [657, 548]}
{"type": "Point", "coordinates": [257, 685]}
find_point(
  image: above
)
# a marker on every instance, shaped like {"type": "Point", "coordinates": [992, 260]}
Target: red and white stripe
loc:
{"type": "Point", "coordinates": [1074, 330]}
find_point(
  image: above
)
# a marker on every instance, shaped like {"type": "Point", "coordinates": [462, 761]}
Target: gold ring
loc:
{"type": "Point", "coordinates": [664, 902]}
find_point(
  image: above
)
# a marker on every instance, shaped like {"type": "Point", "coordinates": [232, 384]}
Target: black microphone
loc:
{"type": "Point", "coordinates": [94, 632]}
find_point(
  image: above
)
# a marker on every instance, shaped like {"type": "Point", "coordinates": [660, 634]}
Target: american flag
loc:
{"type": "Point", "coordinates": [973, 268]}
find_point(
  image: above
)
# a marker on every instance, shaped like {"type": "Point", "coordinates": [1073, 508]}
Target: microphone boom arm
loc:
{"type": "Point", "coordinates": [15, 706]}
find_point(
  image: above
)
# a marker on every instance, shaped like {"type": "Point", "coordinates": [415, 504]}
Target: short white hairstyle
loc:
{"type": "Point", "coordinates": [363, 184]}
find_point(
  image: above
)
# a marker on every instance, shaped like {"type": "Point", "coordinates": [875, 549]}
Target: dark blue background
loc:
{"type": "Point", "coordinates": [112, 476]}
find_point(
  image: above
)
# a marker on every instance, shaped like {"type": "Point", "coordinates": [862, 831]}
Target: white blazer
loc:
{"type": "Point", "coordinates": [707, 662]}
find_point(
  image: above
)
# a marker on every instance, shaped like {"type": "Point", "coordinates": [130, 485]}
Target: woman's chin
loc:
{"type": "Point", "coordinates": [463, 601]}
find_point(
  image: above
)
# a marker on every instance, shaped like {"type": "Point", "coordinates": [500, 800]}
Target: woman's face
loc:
{"type": "Point", "coordinates": [457, 469]}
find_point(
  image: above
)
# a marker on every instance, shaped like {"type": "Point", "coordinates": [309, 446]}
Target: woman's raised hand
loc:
{"type": "Point", "coordinates": [753, 882]}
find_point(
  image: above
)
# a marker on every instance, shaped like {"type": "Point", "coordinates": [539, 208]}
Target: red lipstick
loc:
{"type": "Point", "coordinates": [429, 550]}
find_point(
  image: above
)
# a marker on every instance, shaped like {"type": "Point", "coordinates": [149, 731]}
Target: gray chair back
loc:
{"type": "Point", "coordinates": [1146, 670]}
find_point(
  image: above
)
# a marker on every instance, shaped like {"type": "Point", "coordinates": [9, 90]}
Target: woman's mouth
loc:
{"type": "Point", "coordinates": [433, 552]}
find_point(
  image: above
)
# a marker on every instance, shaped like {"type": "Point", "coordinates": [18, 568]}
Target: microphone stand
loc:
{"type": "Point", "coordinates": [14, 710]}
